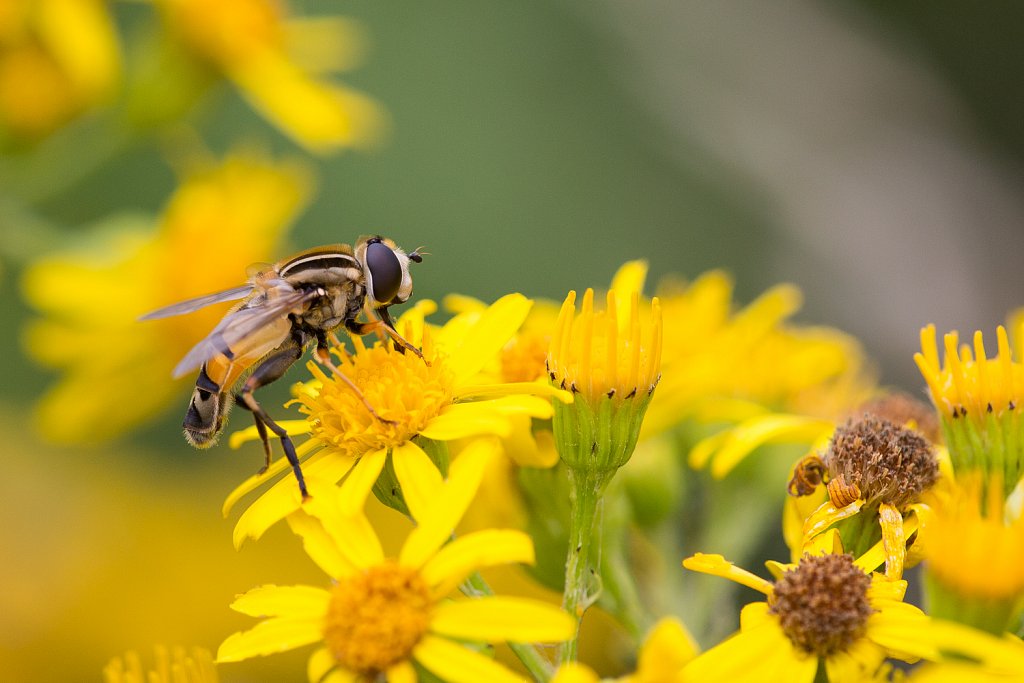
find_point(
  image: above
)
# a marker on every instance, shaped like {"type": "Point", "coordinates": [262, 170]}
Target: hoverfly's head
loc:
{"type": "Point", "coordinates": [386, 271]}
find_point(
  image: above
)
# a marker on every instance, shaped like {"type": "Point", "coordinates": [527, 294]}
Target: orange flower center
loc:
{"type": "Point", "coordinates": [375, 618]}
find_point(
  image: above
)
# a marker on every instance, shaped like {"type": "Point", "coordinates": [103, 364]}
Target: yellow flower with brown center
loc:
{"type": "Point", "coordinates": [277, 63]}
{"type": "Point", "coordinates": [221, 219]}
{"type": "Point", "coordinates": [421, 404]}
{"type": "Point", "coordinates": [979, 403]}
{"type": "Point", "coordinates": [382, 614]}
{"type": "Point", "coordinates": [876, 472]}
{"type": "Point", "coordinates": [974, 554]}
{"type": "Point", "coordinates": [824, 610]}
{"type": "Point", "coordinates": [58, 58]}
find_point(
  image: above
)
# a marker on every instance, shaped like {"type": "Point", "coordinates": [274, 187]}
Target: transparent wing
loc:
{"type": "Point", "coordinates": [228, 337]}
{"type": "Point", "coordinates": [195, 304]}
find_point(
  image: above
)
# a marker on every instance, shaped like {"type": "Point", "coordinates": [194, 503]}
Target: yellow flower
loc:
{"type": "Point", "coordinates": [611, 362]}
{"type": "Point", "coordinates": [665, 651]}
{"type": "Point", "coordinates": [726, 364]}
{"type": "Point", "coordinates": [277, 62]}
{"type": "Point", "coordinates": [979, 402]}
{"type": "Point", "coordinates": [220, 220]}
{"type": "Point", "coordinates": [974, 549]}
{"type": "Point", "coordinates": [57, 59]}
{"type": "Point", "coordinates": [439, 398]}
{"type": "Point", "coordinates": [826, 609]}
{"type": "Point", "coordinates": [172, 666]}
{"type": "Point", "coordinates": [877, 473]}
{"type": "Point", "coordinates": [971, 655]}
{"type": "Point", "coordinates": [382, 614]}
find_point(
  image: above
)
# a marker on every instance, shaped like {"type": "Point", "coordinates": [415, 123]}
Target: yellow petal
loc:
{"type": "Point", "coordinates": [856, 663]}
{"type": "Point", "coordinates": [283, 601]}
{"type": "Point", "coordinates": [758, 431]}
{"type": "Point", "coordinates": [270, 637]}
{"type": "Point", "coordinates": [457, 664]}
{"type": "Point", "coordinates": [502, 618]}
{"type": "Point", "coordinates": [756, 655]}
{"type": "Point", "coordinates": [718, 566]}
{"type": "Point", "coordinates": [667, 648]}
{"type": "Point", "coordinates": [514, 398]}
{"type": "Point", "coordinates": [628, 280]}
{"type": "Point", "coordinates": [461, 420]}
{"type": "Point", "coordinates": [319, 545]}
{"type": "Point", "coordinates": [276, 467]}
{"type": "Point", "coordinates": [485, 339]}
{"type": "Point", "coordinates": [754, 615]}
{"type": "Point", "coordinates": [284, 498]}
{"type": "Point", "coordinates": [488, 548]}
{"type": "Point", "coordinates": [352, 536]}
{"type": "Point", "coordinates": [420, 480]}
{"type": "Point", "coordinates": [826, 515]}
{"type": "Point", "coordinates": [446, 510]}
{"type": "Point", "coordinates": [360, 480]}
{"type": "Point", "coordinates": [574, 672]}
{"type": "Point", "coordinates": [902, 633]}
{"type": "Point", "coordinates": [403, 672]}
{"type": "Point", "coordinates": [893, 540]}
{"type": "Point", "coordinates": [322, 663]}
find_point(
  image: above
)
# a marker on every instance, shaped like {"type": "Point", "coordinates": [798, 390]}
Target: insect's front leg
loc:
{"type": "Point", "coordinates": [266, 372]}
{"type": "Point", "coordinates": [323, 356]}
{"type": "Point", "coordinates": [401, 344]}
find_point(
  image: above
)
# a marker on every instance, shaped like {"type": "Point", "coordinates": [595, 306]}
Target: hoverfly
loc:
{"type": "Point", "coordinates": [286, 307]}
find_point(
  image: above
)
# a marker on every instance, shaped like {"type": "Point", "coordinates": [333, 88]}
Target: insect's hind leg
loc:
{"type": "Point", "coordinates": [266, 372]}
{"type": "Point", "coordinates": [323, 356]}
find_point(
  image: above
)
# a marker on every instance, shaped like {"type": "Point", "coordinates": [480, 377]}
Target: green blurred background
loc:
{"type": "Point", "coordinates": [869, 152]}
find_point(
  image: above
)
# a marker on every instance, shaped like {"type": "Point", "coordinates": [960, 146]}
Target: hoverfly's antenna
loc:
{"type": "Point", "coordinates": [417, 254]}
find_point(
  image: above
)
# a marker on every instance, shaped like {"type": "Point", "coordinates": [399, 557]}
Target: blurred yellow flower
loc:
{"type": "Point", "coordinates": [116, 372]}
{"type": "Point", "coordinates": [171, 666]}
{"type": "Point", "coordinates": [57, 59]}
{"type": "Point", "coordinates": [438, 398]}
{"type": "Point", "coordinates": [974, 553]}
{"type": "Point", "coordinates": [277, 63]}
{"type": "Point", "coordinates": [382, 614]}
{"type": "Point", "coordinates": [825, 609]}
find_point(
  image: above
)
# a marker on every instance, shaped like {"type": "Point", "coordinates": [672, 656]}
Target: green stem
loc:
{"type": "Point", "coordinates": [534, 661]}
{"type": "Point", "coordinates": [582, 580]}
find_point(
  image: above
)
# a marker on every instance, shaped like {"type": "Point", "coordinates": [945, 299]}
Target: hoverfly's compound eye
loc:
{"type": "Point", "coordinates": [384, 270]}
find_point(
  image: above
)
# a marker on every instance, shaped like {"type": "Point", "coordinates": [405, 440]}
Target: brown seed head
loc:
{"type": "Point", "coordinates": [888, 464]}
{"type": "Point", "coordinates": [822, 605]}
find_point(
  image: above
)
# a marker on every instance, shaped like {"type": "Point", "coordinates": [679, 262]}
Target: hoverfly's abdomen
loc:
{"type": "Point", "coordinates": [204, 419]}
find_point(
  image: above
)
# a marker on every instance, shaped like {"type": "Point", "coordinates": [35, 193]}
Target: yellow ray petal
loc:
{"type": "Point", "coordinates": [893, 540]}
{"type": "Point", "coordinates": [270, 637]}
{"type": "Point", "coordinates": [856, 663]}
{"type": "Point", "coordinates": [360, 480]}
{"type": "Point", "coordinates": [718, 566]}
{"type": "Point", "coordinates": [352, 536]}
{"type": "Point", "coordinates": [574, 673]}
{"type": "Point", "coordinates": [457, 664]}
{"type": "Point", "coordinates": [478, 550]}
{"type": "Point", "coordinates": [756, 655]}
{"type": "Point", "coordinates": [667, 648]}
{"type": "Point", "coordinates": [758, 431]}
{"type": "Point", "coordinates": [283, 601]}
{"type": "Point", "coordinates": [276, 467]}
{"type": "Point", "coordinates": [319, 545]}
{"type": "Point", "coordinates": [446, 510]}
{"type": "Point", "coordinates": [461, 420]}
{"type": "Point", "coordinates": [488, 335]}
{"type": "Point", "coordinates": [420, 480]}
{"type": "Point", "coordinates": [293, 427]}
{"type": "Point", "coordinates": [284, 498]}
{"type": "Point", "coordinates": [502, 618]}
{"type": "Point", "coordinates": [826, 515]}
{"type": "Point", "coordinates": [324, 667]}
{"type": "Point", "coordinates": [512, 398]}
{"type": "Point", "coordinates": [403, 672]}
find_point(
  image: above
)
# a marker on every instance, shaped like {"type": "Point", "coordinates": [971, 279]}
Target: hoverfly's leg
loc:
{"type": "Point", "coordinates": [266, 372]}
{"type": "Point", "coordinates": [401, 345]}
{"type": "Point", "coordinates": [261, 429]}
{"type": "Point", "coordinates": [337, 343]}
{"type": "Point", "coordinates": [323, 356]}
{"type": "Point", "coordinates": [400, 342]}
